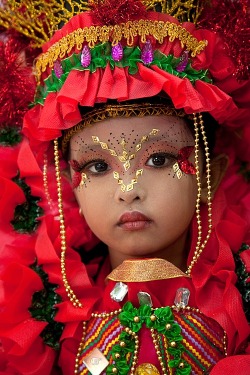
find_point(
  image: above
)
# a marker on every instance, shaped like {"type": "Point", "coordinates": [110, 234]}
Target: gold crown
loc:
{"type": "Point", "coordinates": [38, 20]}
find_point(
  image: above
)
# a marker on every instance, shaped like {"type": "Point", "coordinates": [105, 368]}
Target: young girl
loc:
{"type": "Point", "coordinates": [132, 268]}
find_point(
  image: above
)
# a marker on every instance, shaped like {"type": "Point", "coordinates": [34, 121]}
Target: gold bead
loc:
{"type": "Point", "coordinates": [152, 318]}
{"type": "Point", "coordinates": [117, 355]}
{"type": "Point", "coordinates": [173, 344]}
{"type": "Point", "coordinates": [114, 370]}
{"type": "Point", "coordinates": [168, 326]}
{"type": "Point", "coordinates": [122, 344]}
{"type": "Point", "coordinates": [181, 365]}
{"type": "Point", "coordinates": [136, 319]}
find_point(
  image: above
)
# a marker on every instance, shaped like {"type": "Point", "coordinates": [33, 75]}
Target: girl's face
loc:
{"type": "Point", "coordinates": [127, 178]}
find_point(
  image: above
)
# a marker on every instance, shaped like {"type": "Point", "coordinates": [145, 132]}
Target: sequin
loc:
{"type": "Point", "coordinates": [183, 62]}
{"type": "Point", "coordinates": [85, 56]}
{"type": "Point", "coordinates": [147, 54]}
{"type": "Point", "coordinates": [58, 69]}
{"type": "Point", "coordinates": [117, 52]}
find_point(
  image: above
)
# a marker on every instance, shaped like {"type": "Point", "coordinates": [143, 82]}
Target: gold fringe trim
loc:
{"type": "Point", "coordinates": [130, 30]}
{"type": "Point", "coordinates": [119, 110]}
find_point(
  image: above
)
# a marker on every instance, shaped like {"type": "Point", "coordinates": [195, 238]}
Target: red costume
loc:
{"type": "Point", "coordinates": [45, 329]}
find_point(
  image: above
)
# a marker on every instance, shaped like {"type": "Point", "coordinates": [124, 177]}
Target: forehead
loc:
{"type": "Point", "coordinates": [131, 129]}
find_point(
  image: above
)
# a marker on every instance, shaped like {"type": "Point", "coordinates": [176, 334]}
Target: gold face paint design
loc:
{"type": "Point", "coordinates": [133, 181]}
{"type": "Point", "coordinates": [183, 165]}
{"type": "Point", "coordinates": [125, 158]}
{"type": "Point", "coordinates": [177, 170]}
{"type": "Point", "coordinates": [83, 180]}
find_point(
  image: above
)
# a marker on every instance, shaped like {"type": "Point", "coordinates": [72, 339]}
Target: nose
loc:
{"type": "Point", "coordinates": [129, 196]}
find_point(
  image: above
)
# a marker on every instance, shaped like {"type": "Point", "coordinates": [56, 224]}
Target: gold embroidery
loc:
{"type": "Point", "coordinates": [129, 30]}
{"type": "Point", "coordinates": [145, 270]}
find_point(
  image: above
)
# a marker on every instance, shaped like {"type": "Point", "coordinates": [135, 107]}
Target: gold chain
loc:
{"type": "Point", "coordinates": [200, 247]}
{"type": "Point", "coordinates": [75, 301]}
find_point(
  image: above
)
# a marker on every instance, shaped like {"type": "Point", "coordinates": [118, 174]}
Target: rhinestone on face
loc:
{"type": "Point", "coordinates": [144, 299]}
{"type": "Point", "coordinates": [119, 292]}
{"type": "Point", "coordinates": [182, 298]}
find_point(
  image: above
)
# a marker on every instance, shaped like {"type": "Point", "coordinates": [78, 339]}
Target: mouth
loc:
{"type": "Point", "coordinates": [132, 221]}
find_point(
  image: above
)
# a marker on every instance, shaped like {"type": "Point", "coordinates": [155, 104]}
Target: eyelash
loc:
{"type": "Point", "coordinates": [167, 159]}
{"type": "Point", "coordinates": [170, 158]}
{"type": "Point", "coordinates": [86, 166]}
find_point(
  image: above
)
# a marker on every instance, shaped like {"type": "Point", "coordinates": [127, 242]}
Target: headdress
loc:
{"type": "Point", "coordinates": [122, 51]}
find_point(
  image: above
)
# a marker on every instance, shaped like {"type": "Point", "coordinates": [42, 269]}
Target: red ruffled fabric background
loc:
{"type": "Point", "coordinates": [214, 279]}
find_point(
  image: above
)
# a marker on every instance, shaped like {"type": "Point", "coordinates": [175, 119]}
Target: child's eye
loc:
{"type": "Point", "coordinates": [98, 166]}
{"type": "Point", "coordinates": [160, 159]}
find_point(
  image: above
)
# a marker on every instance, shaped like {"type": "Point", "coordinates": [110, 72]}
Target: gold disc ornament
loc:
{"type": "Point", "coordinates": [146, 369]}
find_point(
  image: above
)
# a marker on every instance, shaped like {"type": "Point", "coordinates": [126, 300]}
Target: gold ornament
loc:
{"type": "Point", "coordinates": [183, 10]}
{"type": "Point", "coordinates": [146, 369]}
{"type": "Point", "coordinates": [199, 127]}
{"type": "Point", "coordinates": [38, 20]}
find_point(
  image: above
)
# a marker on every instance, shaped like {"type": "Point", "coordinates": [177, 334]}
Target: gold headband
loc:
{"type": "Point", "coordinates": [119, 110]}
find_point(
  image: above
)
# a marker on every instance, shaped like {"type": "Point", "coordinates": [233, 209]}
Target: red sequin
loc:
{"type": "Point", "coordinates": [185, 165]}
{"type": "Point", "coordinates": [77, 176]}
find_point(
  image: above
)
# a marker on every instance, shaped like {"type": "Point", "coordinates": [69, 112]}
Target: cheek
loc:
{"type": "Point", "coordinates": [175, 195]}
{"type": "Point", "coordinates": [91, 200]}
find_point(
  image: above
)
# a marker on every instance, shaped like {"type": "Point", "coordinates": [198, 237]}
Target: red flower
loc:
{"type": "Point", "coordinates": [19, 332]}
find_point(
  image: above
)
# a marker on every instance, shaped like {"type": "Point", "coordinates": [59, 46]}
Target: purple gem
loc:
{"type": "Point", "coordinates": [183, 62]}
{"type": "Point", "coordinates": [147, 53]}
{"type": "Point", "coordinates": [117, 52]}
{"type": "Point", "coordinates": [85, 56]}
{"type": "Point", "coordinates": [58, 69]}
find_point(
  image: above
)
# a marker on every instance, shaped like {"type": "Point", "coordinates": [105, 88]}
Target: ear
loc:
{"type": "Point", "coordinates": [218, 167]}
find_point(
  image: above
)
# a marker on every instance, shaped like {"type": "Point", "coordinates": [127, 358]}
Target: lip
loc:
{"type": "Point", "coordinates": [132, 221]}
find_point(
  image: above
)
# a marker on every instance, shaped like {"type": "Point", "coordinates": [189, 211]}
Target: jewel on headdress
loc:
{"type": "Point", "coordinates": [85, 56]}
{"type": "Point", "coordinates": [147, 54]}
{"type": "Point", "coordinates": [117, 52]}
{"type": "Point", "coordinates": [183, 62]}
{"type": "Point", "coordinates": [58, 69]}
{"type": "Point", "coordinates": [119, 292]}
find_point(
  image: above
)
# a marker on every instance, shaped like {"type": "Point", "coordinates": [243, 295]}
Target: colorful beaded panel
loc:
{"type": "Point", "coordinates": [203, 341]}
{"type": "Point", "coordinates": [102, 333]}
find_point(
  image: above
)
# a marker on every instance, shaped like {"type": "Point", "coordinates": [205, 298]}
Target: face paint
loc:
{"type": "Point", "coordinates": [183, 164]}
{"type": "Point", "coordinates": [79, 178]}
{"type": "Point", "coordinates": [130, 186]}
{"type": "Point", "coordinates": [125, 157]}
